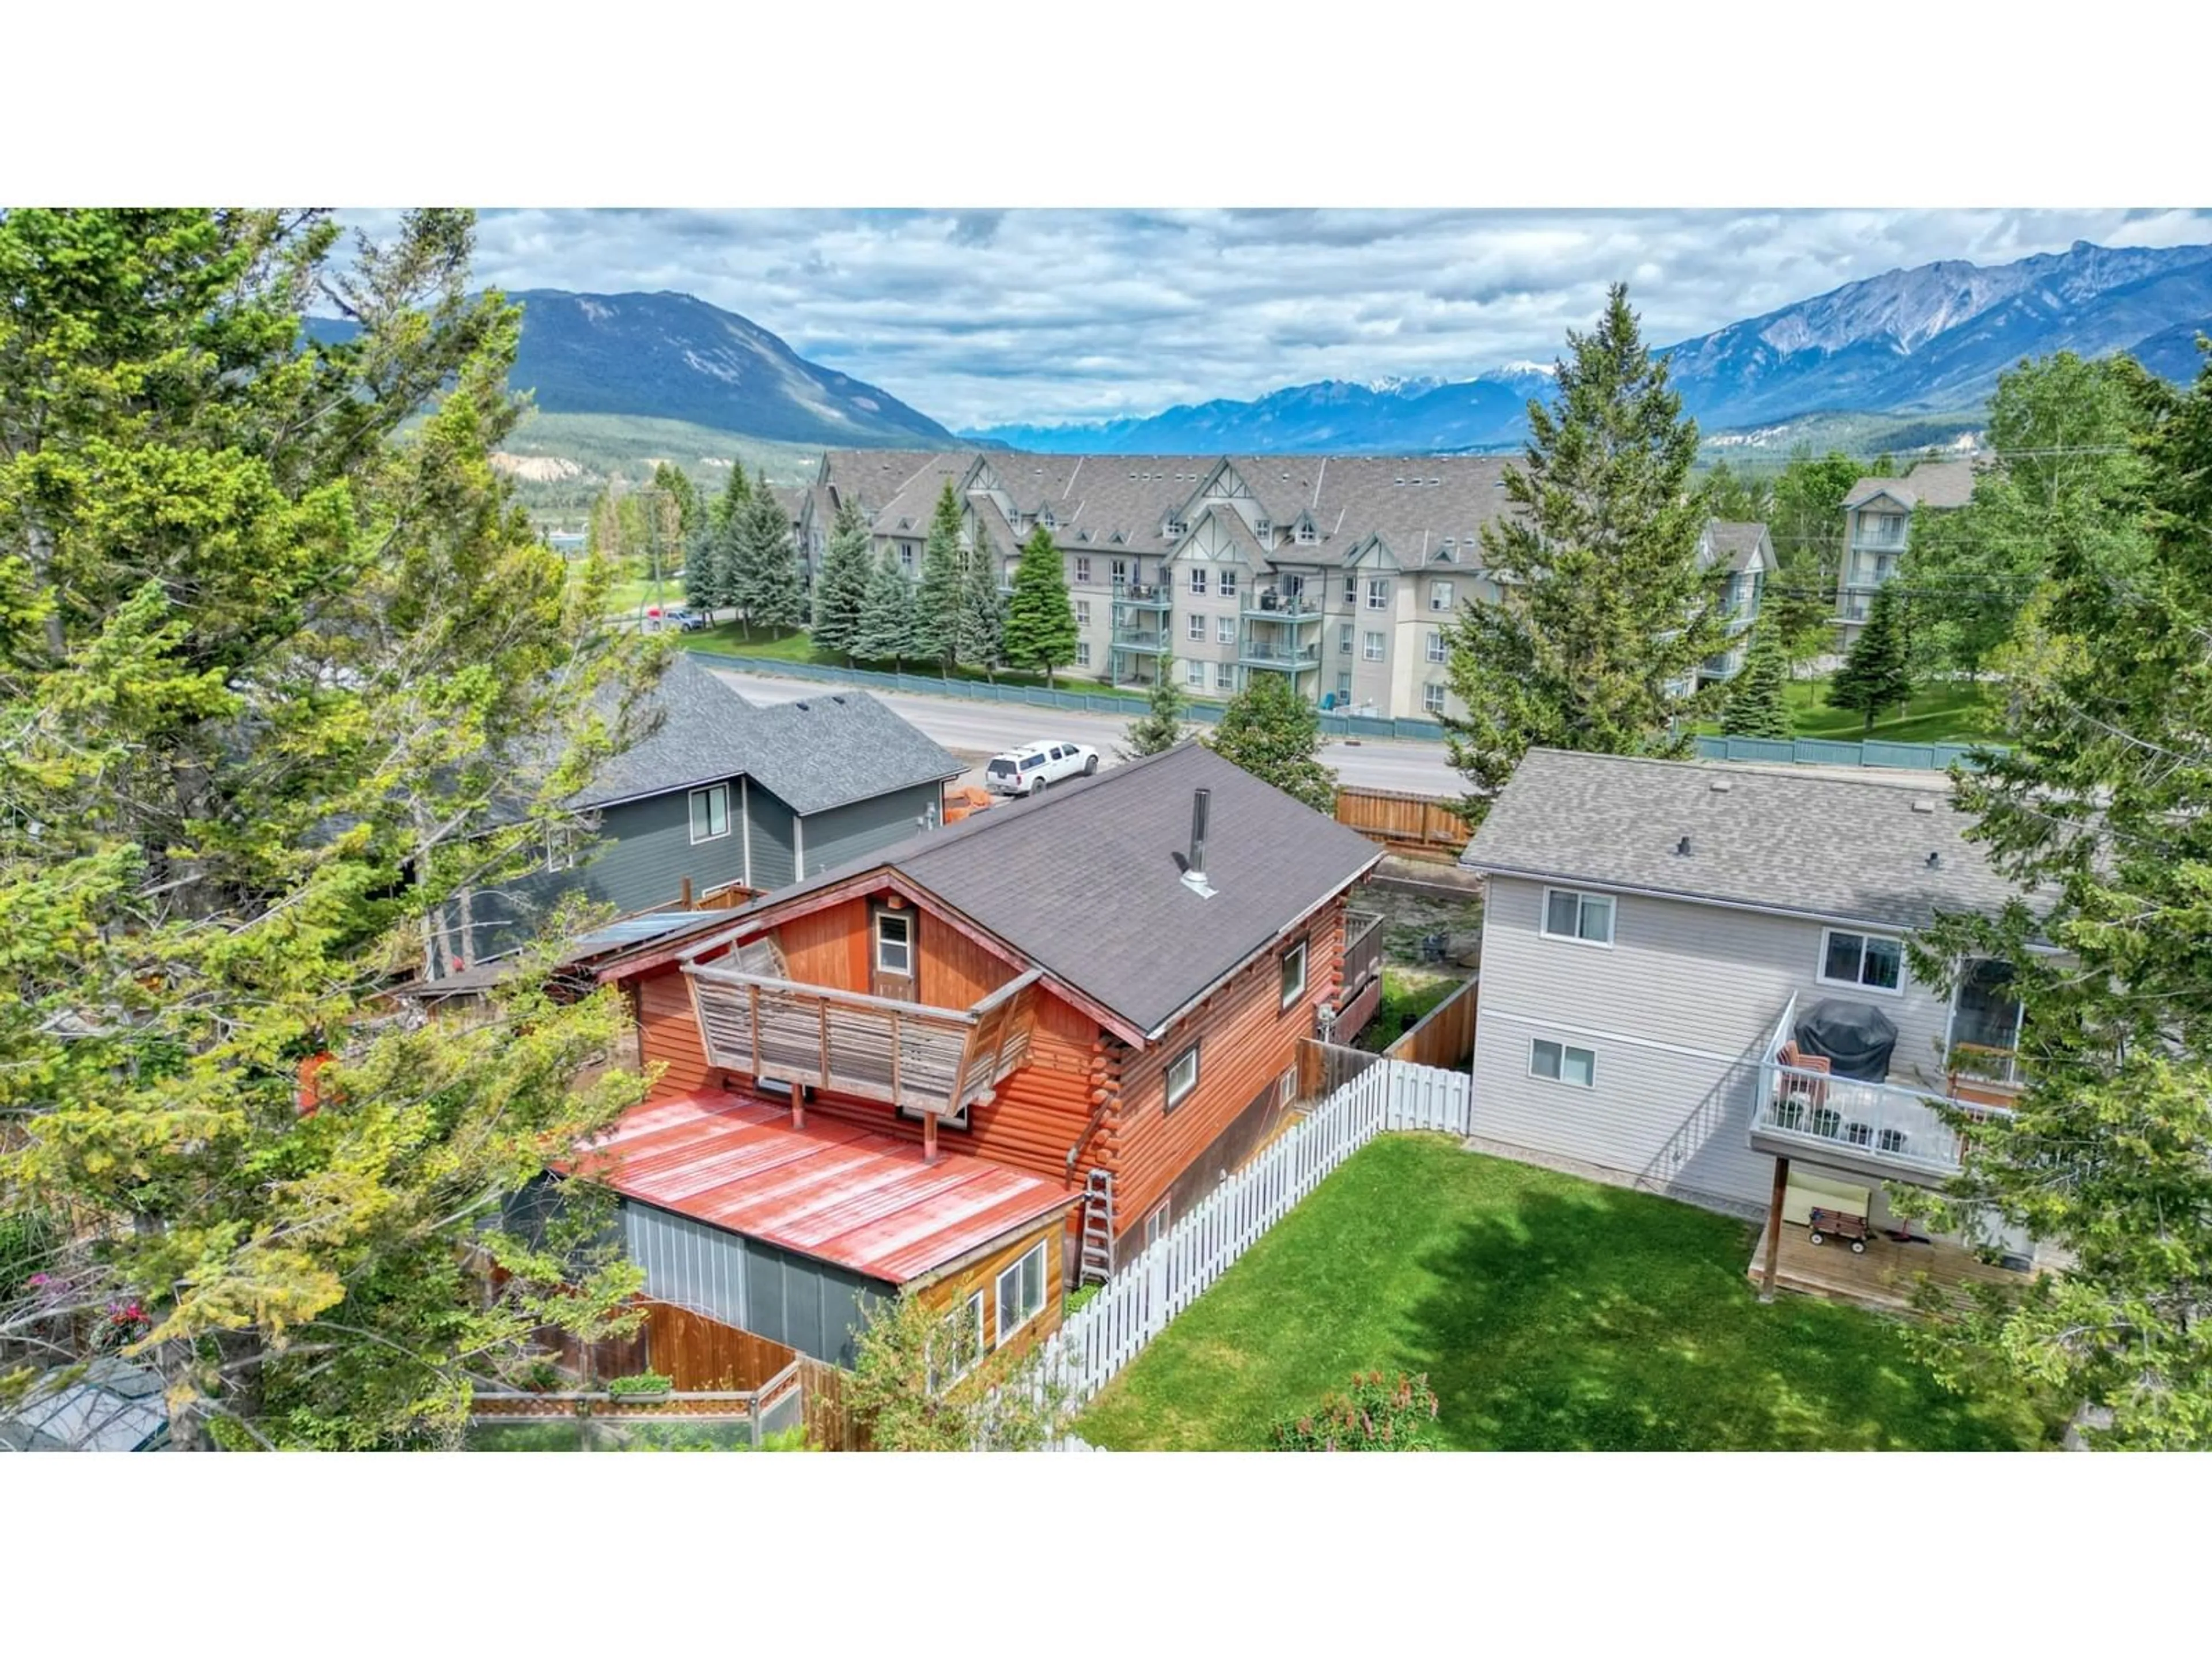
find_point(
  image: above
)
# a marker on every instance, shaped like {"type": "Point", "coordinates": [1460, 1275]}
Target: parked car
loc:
{"type": "Point", "coordinates": [1025, 770]}
{"type": "Point", "coordinates": [681, 617]}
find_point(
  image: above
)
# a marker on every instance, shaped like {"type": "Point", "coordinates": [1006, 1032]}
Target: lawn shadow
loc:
{"type": "Point", "coordinates": [1604, 1320]}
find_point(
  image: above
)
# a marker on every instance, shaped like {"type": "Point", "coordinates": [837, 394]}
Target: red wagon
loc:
{"type": "Point", "coordinates": [1825, 1225]}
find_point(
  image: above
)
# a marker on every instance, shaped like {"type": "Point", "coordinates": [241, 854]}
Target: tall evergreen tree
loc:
{"type": "Point", "coordinates": [279, 679]}
{"type": "Point", "coordinates": [1604, 614]}
{"type": "Point", "coordinates": [705, 580]}
{"type": "Point", "coordinates": [1758, 699]}
{"type": "Point", "coordinates": [1163, 725]}
{"type": "Point", "coordinates": [766, 585]}
{"type": "Point", "coordinates": [2097, 811]}
{"type": "Point", "coordinates": [1877, 670]}
{"type": "Point", "coordinates": [886, 631]}
{"type": "Point", "coordinates": [1040, 619]}
{"type": "Point", "coordinates": [938, 599]}
{"type": "Point", "coordinates": [734, 497]}
{"type": "Point", "coordinates": [675, 486]}
{"type": "Point", "coordinates": [1274, 734]}
{"type": "Point", "coordinates": [841, 595]}
{"type": "Point", "coordinates": [979, 623]}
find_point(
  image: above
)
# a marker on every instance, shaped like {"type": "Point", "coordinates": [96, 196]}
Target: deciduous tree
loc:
{"type": "Point", "coordinates": [1603, 614]}
{"type": "Point", "coordinates": [1274, 734]}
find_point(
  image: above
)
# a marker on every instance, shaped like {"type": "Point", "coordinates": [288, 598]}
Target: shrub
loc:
{"type": "Point", "coordinates": [643, 1383]}
{"type": "Point", "coordinates": [1372, 1415]}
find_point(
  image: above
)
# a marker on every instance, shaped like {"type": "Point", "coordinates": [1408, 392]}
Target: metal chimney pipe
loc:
{"type": "Point", "coordinates": [1193, 875]}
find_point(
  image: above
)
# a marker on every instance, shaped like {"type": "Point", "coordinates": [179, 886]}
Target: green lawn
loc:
{"type": "Point", "coordinates": [1951, 711]}
{"type": "Point", "coordinates": [795, 645]}
{"type": "Point", "coordinates": [1407, 999]}
{"type": "Point", "coordinates": [1549, 1313]}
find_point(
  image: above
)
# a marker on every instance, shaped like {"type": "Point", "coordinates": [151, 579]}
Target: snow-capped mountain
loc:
{"type": "Point", "coordinates": [1932, 338]}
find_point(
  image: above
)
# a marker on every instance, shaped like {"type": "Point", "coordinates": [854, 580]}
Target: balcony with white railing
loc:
{"type": "Point", "coordinates": [1272, 605]}
{"type": "Point", "coordinates": [1886, 1131]}
{"type": "Point", "coordinates": [1147, 596]}
{"type": "Point", "coordinates": [1266, 651]}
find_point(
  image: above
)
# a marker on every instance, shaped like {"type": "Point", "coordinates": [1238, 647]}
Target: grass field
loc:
{"type": "Point", "coordinates": [1951, 711]}
{"type": "Point", "coordinates": [1549, 1314]}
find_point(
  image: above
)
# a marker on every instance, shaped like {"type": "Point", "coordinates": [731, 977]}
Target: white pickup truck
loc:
{"type": "Point", "coordinates": [1034, 766]}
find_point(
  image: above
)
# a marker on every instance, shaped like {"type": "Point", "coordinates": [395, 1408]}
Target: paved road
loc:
{"type": "Point", "coordinates": [979, 730]}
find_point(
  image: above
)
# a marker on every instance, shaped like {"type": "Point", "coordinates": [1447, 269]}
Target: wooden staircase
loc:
{"type": "Point", "coordinates": [1097, 1258]}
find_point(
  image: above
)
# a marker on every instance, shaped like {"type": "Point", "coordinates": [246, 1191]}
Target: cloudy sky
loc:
{"type": "Point", "coordinates": [978, 318]}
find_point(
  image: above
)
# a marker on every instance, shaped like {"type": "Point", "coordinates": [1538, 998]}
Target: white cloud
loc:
{"type": "Point", "coordinates": [978, 318]}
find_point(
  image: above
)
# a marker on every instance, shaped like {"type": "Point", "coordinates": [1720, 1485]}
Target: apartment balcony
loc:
{"type": "Point", "coordinates": [1900, 1129]}
{"type": "Point", "coordinates": [1875, 541]}
{"type": "Point", "coordinates": [940, 1060]}
{"type": "Point", "coordinates": [1283, 658]}
{"type": "Point", "coordinates": [1152, 640]}
{"type": "Point", "coordinates": [1269, 604]}
{"type": "Point", "coordinates": [1146, 595]}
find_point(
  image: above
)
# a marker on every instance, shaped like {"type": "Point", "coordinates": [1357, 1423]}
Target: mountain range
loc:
{"type": "Point", "coordinates": [674, 357]}
{"type": "Point", "coordinates": [1935, 337]}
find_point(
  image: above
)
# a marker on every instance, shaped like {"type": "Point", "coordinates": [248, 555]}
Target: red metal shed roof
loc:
{"type": "Point", "coordinates": [864, 1201]}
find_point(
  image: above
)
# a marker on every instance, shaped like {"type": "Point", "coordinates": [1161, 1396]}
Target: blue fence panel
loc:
{"type": "Point", "coordinates": [1419, 732]}
{"type": "Point", "coordinates": [1360, 725]}
{"type": "Point", "coordinates": [1821, 752]}
{"type": "Point", "coordinates": [1920, 755]}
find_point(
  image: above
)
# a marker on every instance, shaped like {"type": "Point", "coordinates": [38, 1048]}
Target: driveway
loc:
{"type": "Point", "coordinates": [977, 730]}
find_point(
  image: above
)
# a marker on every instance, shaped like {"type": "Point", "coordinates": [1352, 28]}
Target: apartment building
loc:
{"type": "Point", "coordinates": [1878, 528]}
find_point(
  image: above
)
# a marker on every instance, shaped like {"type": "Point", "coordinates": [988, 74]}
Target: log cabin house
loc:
{"type": "Point", "coordinates": [996, 1058]}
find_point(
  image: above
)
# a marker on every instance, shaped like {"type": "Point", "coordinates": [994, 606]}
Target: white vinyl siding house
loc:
{"type": "Point", "coordinates": [1674, 1013]}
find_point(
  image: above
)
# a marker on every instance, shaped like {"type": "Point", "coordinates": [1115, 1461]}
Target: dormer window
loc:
{"type": "Point", "coordinates": [1178, 527]}
{"type": "Point", "coordinates": [1306, 534]}
{"type": "Point", "coordinates": [1262, 528]}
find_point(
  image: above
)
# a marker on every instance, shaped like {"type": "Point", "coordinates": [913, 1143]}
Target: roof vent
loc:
{"type": "Point", "coordinates": [838, 697]}
{"type": "Point", "coordinates": [1934, 860]}
{"type": "Point", "coordinates": [1194, 873]}
{"type": "Point", "coordinates": [1721, 786]}
{"type": "Point", "coordinates": [801, 707]}
{"type": "Point", "coordinates": [1923, 805]}
{"type": "Point", "coordinates": [1682, 848]}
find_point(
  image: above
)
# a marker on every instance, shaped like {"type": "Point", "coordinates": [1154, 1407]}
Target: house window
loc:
{"type": "Point", "coordinates": [1196, 627]}
{"type": "Point", "coordinates": [1263, 529]}
{"type": "Point", "coordinates": [1294, 973]}
{"type": "Point", "coordinates": [1585, 918]}
{"type": "Point", "coordinates": [894, 943]}
{"type": "Point", "coordinates": [1372, 647]}
{"type": "Point", "coordinates": [1432, 698]}
{"type": "Point", "coordinates": [1182, 1078]}
{"type": "Point", "coordinates": [1437, 645]}
{"type": "Point", "coordinates": [1083, 654]}
{"type": "Point", "coordinates": [1228, 584]}
{"type": "Point", "coordinates": [1083, 613]}
{"type": "Point", "coordinates": [1352, 590]}
{"type": "Point", "coordinates": [1156, 1225]}
{"type": "Point", "coordinates": [1119, 571]}
{"type": "Point", "coordinates": [1177, 527]}
{"type": "Point", "coordinates": [906, 557]}
{"type": "Point", "coordinates": [959, 1346]}
{"type": "Point", "coordinates": [1378, 594]}
{"type": "Point", "coordinates": [1306, 533]}
{"type": "Point", "coordinates": [560, 839]}
{"type": "Point", "coordinates": [1225, 677]}
{"type": "Point", "coordinates": [710, 813]}
{"type": "Point", "coordinates": [1193, 674]}
{"type": "Point", "coordinates": [1440, 595]}
{"type": "Point", "coordinates": [1562, 1062]}
{"type": "Point", "coordinates": [1225, 630]}
{"type": "Point", "coordinates": [1343, 685]}
{"type": "Point", "coordinates": [1344, 638]}
{"type": "Point", "coordinates": [1198, 578]}
{"type": "Point", "coordinates": [1082, 568]}
{"type": "Point", "coordinates": [1872, 962]}
{"type": "Point", "coordinates": [1021, 1293]}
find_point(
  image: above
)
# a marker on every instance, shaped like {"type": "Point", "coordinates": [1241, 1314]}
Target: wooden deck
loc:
{"type": "Point", "coordinates": [1883, 1277]}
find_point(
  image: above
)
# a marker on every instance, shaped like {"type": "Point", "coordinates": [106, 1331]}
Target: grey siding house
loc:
{"type": "Point", "coordinates": [1658, 933]}
{"type": "Point", "coordinates": [720, 794]}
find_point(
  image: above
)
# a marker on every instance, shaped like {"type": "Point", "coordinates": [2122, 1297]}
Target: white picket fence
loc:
{"type": "Point", "coordinates": [1136, 1303]}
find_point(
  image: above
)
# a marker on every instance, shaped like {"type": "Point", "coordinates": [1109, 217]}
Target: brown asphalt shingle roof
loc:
{"type": "Point", "coordinates": [1084, 880]}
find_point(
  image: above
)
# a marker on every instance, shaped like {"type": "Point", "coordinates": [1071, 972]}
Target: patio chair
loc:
{"type": "Point", "coordinates": [1800, 1092]}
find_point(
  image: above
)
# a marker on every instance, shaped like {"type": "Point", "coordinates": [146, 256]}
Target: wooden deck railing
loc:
{"type": "Point", "coordinates": [1363, 950]}
{"type": "Point", "coordinates": [938, 1059]}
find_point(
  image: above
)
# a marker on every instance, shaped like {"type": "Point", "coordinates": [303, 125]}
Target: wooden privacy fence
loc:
{"type": "Point", "coordinates": [1444, 1035]}
{"type": "Point", "coordinates": [1135, 1305]}
{"type": "Point", "coordinates": [1419, 824]}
